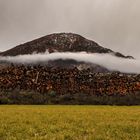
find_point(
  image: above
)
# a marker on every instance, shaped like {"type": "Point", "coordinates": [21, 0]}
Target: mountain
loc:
{"type": "Point", "coordinates": [63, 42]}
{"type": "Point", "coordinates": [60, 42]}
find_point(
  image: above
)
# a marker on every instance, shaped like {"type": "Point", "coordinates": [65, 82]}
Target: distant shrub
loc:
{"type": "Point", "coordinates": [52, 93]}
{"type": "Point", "coordinates": [4, 100]}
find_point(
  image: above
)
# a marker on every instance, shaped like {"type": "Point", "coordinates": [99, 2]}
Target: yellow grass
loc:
{"type": "Point", "coordinates": [69, 123]}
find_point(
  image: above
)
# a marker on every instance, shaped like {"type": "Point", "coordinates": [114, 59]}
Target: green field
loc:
{"type": "Point", "coordinates": [69, 123]}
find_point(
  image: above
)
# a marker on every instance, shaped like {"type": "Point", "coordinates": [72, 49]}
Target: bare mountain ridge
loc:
{"type": "Point", "coordinates": [60, 42]}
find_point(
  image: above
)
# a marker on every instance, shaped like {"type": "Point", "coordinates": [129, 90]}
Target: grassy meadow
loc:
{"type": "Point", "coordinates": [69, 122]}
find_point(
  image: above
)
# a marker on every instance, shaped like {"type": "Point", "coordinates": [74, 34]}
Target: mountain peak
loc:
{"type": "Point", "coordinates": [60, 42]}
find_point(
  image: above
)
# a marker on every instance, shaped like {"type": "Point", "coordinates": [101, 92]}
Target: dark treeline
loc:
{"type": "Point", "coordinates": [45, 85]}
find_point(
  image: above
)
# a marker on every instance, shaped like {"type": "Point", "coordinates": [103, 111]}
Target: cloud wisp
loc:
{"type": "Point", "coordinates": [106, 60]}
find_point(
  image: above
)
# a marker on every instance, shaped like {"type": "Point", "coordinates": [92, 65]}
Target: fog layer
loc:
{"type": "Point", "coordinates": [107, 60]}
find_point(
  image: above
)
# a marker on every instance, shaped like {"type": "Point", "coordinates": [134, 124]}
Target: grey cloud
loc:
{"type": "Point", "coordinates": [112, 23]}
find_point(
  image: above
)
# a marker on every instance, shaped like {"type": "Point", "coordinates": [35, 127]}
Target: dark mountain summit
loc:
{"type": "Point", "coordinates": [60, 42]}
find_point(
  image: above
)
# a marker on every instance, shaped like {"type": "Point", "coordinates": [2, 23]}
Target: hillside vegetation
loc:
{"type": "Point", "coordinates": [43, 85]}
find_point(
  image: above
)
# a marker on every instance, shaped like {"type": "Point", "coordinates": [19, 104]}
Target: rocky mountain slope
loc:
{"type": "Point", "coordinates": [60, 42]}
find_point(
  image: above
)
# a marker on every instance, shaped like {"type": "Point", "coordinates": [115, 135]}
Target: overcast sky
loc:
{"type": "Point", "coordinates": [111, 23]}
